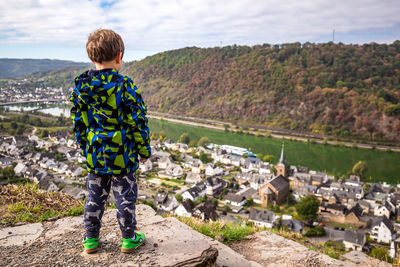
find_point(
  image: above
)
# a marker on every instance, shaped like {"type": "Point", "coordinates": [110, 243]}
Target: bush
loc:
{"type": "Point", "coordinates": [204, 141]}
{"type": "Point", "coordinates": [184, 138]}
{"type": "Point", "coordinates": [381, 254]}
{"type": "Point", "coordinates": [316, 231]}
{"type": "Point", "coordinates": [307, 207]}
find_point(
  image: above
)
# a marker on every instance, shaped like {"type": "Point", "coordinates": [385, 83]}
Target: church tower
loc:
{"type": "Point", "coordinates": [281, 168]}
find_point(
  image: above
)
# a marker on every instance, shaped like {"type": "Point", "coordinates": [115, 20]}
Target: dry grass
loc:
{"type": "Point", "coordinates": [26, 203]}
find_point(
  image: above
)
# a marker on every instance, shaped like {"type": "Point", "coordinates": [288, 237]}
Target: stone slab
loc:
{"type": "Point", "coordinates": [358, 258]}
{"type": "Point", "coordinates": [269, 249]}
{"type": "Point", "coordinates": [20, 235]}
{"type": "Point", "coordinates": [63, 226]}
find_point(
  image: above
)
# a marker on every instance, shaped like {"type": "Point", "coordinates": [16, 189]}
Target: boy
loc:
{"type": "Point", "coordinates": [110, 125]}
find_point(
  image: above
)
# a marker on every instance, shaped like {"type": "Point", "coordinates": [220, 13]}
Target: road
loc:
{"type": "Point", "coordinates": [331, 234]}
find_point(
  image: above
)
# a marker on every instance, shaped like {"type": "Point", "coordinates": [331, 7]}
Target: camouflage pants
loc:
{"type": "Point", "coordinates": [125, 193]}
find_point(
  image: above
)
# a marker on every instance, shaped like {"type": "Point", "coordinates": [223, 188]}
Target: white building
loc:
{"type": "Point", "coordinates": [212, 170]}
{"type": "Point", "coordinates": [383, 230]}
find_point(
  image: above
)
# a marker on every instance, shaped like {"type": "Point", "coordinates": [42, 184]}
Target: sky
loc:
{"type": "Point", "coordinates": [58, 29]}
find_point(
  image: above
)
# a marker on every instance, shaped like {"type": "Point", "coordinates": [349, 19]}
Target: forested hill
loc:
{"type": "Point", "coordinates": [328, 88]}
{"type": "Point", "coordinates": [12, 67]}
{"type": "Point", "coordinates": [325, 88]}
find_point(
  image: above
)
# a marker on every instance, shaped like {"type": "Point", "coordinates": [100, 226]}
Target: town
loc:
{"type": "Point", "coordinates": [222, 182]}
{"type": "Point", "coordinates": [29, 91]}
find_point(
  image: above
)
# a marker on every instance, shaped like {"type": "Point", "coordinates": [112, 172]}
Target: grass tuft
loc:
{"type": "Point", "coordinates": [225, 232]}
{"type": "Point", "coordinates": [26, 203]}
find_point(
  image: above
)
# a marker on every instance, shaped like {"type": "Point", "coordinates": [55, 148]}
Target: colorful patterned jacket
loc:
{"type": "Point", "coordinates": [110, 122]}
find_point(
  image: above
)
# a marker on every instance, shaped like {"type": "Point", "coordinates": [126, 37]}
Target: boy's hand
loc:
{"type": "Point", "coordinates": [143, 160]}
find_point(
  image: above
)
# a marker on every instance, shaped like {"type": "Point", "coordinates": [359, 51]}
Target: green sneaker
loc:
{"type": "Point", "coordinates": [90, 245]}
{"type": "Point", "coordinates": [129, 244]}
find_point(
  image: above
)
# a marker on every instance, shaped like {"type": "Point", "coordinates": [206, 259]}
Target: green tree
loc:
{"type": "Point", "coordinates": [307, 207]}
{"type": "Point", "coordinates": [259, 155]}
{"type": "Point", "coordinates": [204, 157]}
{"type": "Point", "coordinates": [184, 138]}
{"type": "Point", "coordinates": [204, 141]}
{"type": "Point", "coordinates": [360, 168]}
{"type": "Point", "coordinates": [268, 158]}
{"type": "Point", "coordinates": [179, 197]}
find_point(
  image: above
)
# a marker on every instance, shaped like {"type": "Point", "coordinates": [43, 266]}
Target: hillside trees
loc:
{"type": "Point", "coordinates": [333, 89]}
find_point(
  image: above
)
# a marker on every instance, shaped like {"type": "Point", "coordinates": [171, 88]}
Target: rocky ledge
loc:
{"type": "Point", "coordinates": [168, 243]}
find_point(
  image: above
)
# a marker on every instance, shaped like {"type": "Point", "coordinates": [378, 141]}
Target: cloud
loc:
{"type": "Point", "coordinates": [159, 25]}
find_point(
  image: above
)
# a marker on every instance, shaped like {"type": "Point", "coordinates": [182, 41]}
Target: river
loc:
{"type": "Point", "coordinates": [52, 109]}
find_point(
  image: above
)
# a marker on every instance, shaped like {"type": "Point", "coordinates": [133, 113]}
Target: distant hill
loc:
{"type": "Point", "coordinates": [334, 89]}
{"type": "Point", "coordinates": [12, 67]}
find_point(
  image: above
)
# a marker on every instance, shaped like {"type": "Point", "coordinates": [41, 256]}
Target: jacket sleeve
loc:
{"type": "Point", "coordinates": [136, 118]}
{"type": "Point", "coordinates": [78, 121]}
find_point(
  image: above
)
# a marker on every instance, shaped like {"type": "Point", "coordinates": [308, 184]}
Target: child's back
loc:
{"type": "Point", "coordinates": [110, 125]}
{"type": "Point", "coordinates": [110, 122]}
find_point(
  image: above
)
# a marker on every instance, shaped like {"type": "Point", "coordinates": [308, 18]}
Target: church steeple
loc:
{"type": "Point", "coordinates": [281, 166]}
{"type": "Point", "coordinates": [282, 158]}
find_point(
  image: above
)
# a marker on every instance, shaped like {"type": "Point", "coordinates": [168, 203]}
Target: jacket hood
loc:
{"type": "Point", "coordinates": [96, 86]}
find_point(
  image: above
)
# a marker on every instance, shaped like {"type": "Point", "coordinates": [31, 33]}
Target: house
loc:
{"type": "Point", "coordinates": [385, 209]}
{"type": "Point", "coordinates": [146, 166]}
{"type": "Point", "coordinates": [265, 168]}
{"type": "Point", "coordinates": [353, 180]}
{"type": "Point", "coordinates": [354, 240]}
{"type": "Point", "coordinates": [205, 211]}
{"type": "Point", "coordinates": [61, 167]}
{"type": "Point", "coordinates": [192, 178]}
{"type": "Point", "coordinates": [377, 193]}
{"type": "Point", "coordinates": [258, 180]}
{"type": "Point", "coordinates": [192, 163]}
{"type": "Point", "coordinates": [172, 171]}
{"type": "Point", "coordinates": [5, 161]}
{"type": "Point", "coordinates": [214, 185]}
{"type": "Point", "coordinates": [185, 209]}
{"type": "Point", "coordinates": [262, 218]}
{"type": "Point", "coordinates": [235, 201]}
{"type": "Point", "coordinates": [213, 170]}
{"type": "Point", "coordinates": [251, 164]}
{"type": "Point", "coordinates": [47, 185]}
{"type": "Point", "coordinates": [383, 230]}
{"type": "Point", "coordinates": [20, 169]}
{"type": "Point", "coordinates": [294, 225]}
{"type": "Point", "coordinates": [305, 191]}
{"type": "Point", "coordinates": [164, 162]}
{"type": "Point", "coordinates": [39, 175]}
{"type": "Point", "coordinates": [354, 217]}
{"type": "Point", "coordinates": [275, 191]}
{"type": "Point", "coordinates": [365, 205]}
{"type": "Point", "coordinates": [248, 192]}
{"type": "Point", "coordinates": [195, 192]}
{"type": "Point", "coordinates": [332, 208]}
{"type": "Point", "coordinates": [75, 192]}
{"type": "Point", "coordinates": [242, 177]}
{"type": "Point", "coordinates": [165, 202]}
